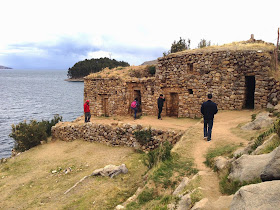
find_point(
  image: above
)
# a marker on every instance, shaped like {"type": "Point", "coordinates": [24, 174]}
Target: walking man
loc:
{"type": "Point", "coordinates": [87, 111]}
{"type": "Point", "coordinates": [208, 110]}
{"type": "Point", "coordinates": [160, 105]}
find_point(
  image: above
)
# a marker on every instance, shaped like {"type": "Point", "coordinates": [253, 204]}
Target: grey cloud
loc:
{"type": "Point", "coordinates": [67, 51]}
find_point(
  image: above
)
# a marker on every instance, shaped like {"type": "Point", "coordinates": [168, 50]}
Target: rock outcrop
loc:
{"type": "Point", "coordinates": [110, 171]}
{"type": "Point", "coordinates": [249, 167]}
{"type": "Point", "coordinates": [262, 120]}
{"type": "Point", "coordinates": [257, 197]}
{"type": "Point", "coordinates": [272, 169]}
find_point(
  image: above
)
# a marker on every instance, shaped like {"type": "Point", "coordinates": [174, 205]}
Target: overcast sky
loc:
{"type": "Point", "coordinates": [55, 34]}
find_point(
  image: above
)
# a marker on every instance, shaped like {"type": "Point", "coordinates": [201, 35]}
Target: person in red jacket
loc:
{"type": "Point", "coordinates": [87, 111]}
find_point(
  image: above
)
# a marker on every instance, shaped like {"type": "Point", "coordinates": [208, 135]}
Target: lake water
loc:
{"type": "Point", "coordinates": [35, 94]}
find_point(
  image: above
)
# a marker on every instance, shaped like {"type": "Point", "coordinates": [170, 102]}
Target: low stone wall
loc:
{"type": "Point", "coordinates": [114, 134]}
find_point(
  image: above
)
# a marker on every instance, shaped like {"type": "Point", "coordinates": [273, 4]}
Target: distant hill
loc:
{"type": "Point", "coordinates": [4, 67]}
{"type": "Point", "coordinates": [153, 62]}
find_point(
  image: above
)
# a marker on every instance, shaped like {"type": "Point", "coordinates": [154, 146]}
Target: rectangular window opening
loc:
{"type": "Point", "coordinates": [190, 91]}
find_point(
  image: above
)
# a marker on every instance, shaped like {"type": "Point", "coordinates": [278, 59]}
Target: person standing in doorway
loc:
{"type": "Point", "coordinates": [208, 110]}
{"type": "Point", "coordinates": [160, 105]}
{"type": "Point", "coordinates": [87, 111]}
{"type": "Point", "coordinates": [134, 106]}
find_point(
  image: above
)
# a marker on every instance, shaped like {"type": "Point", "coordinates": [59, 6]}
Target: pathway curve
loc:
{"type": "Point", "coordinates": [193, 145]}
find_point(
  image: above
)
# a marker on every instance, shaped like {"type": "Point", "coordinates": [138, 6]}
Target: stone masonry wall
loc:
{"type": "Point", "coordinates": [114, 134]}
{"type": "Point", "coordinates": [190, 76]}
{"type": "Point", "coordinates": [110, 96]}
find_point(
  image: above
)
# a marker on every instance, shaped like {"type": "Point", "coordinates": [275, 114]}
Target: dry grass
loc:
{"type": "Point", "coordinates": [234, 46]}
{"type": "Point", "coordinates": [125, 73]}
{"type": "Point", "coordinates": [26, 182]}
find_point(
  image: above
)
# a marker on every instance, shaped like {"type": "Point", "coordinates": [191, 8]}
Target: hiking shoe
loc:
{"type": "Point", "coordinates": [205, 138]}
{"type": "Point", "coordinates": [208, 140]}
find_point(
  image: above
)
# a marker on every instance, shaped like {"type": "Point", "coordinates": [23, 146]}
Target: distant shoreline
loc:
{"type": "Point", "coordinates": [75, 80]}
{"type": "Point", "coordinates": [4, 67]}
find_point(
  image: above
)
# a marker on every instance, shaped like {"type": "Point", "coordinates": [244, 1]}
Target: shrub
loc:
{"type": "Point", "coordinates": [203, 43]}
{"type": "Point", "coordinates": [28, 135]}
{"type": "Point", "coordinates": [51, 123]}
{"type": "Point", "coordinates": [253, 117]}
{"type": "Point", "coordinates": [152, 69]}
{"type": "Point", "coordinates": [277, 127]}
{"type": "Point", "coordinates": [143, 136]}
{"type": "Point", "coordinates": [162, 153]}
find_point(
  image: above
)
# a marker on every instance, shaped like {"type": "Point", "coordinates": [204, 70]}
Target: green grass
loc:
{"type": "Point", "coordinates": [260, 139]}
{"type": "Point", "coordinates": [181, 167]}
{"type": "Point", "coordinates": [146, 196]}
{"type": "Point", "coordinates": [225, 150]}
{"type": "Point", "coordinates": [196, 196]}
{"type": "Point", "coordinates": [271, 146]}
{"type": "Point", "coordinates": [230, 187]}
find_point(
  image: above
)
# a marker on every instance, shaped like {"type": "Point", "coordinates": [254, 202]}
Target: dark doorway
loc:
{"type": "Point", "coordinates": [137, 94]}
{"type": "Point", "coordinates": [173, 105]}
{"type": "Point", "coordinates": [250, 83]}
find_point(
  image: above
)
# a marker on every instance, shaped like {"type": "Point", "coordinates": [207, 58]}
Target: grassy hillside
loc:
{"type": "Point", "coordinates": [29, 181]}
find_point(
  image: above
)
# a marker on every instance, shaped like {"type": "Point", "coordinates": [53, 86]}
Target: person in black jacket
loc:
{"type": "Point", "coordinates": [160, 105]}
{"type": "Point", "coordinates": [208, 110]}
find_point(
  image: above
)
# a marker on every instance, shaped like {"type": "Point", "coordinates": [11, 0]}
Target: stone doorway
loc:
{"type": "Point", "coordinates": [105, 105]}
{"type": "Point", "coordinates": [137, 94]}
{"type": "Point", "coordinates": [250, 84]}
{"type": "Point", "coordinates": [173, 105]}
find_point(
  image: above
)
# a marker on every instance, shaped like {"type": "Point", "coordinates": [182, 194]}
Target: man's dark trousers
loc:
{"type": "Point", "coordinates": [208, 125]}
{"type": "Point", "coordinates": [87, 117]}
{"type": "Point", "coordinates": [159, 112]}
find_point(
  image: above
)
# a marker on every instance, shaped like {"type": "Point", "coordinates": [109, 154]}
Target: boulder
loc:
{"type": "Point", "coordinates": [269, 106]}
{"type": "Point", "coordinates": [110, 170]}
{"type": "Point", "coordinates": [202, 204]}
{"type": "Point", "coordinates": [249, 167]}
{"type": "Point", "coordinates": [272, 169]}
{"type": "Point", "coordinates": [181, 186]}
{"type": "Point", "coordinates": [221, 162]}
{"type": "Point", "coordinates": [262, 120]}
{"type": "Point", "coordinates": [260, 196]}
{"type": "Point", "coordinates": [185, 202]}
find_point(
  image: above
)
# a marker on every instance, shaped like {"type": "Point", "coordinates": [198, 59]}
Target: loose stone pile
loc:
{"type": "Point", "coordinates": [114, 134]}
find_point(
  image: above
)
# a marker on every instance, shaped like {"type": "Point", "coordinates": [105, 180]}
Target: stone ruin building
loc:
{"type": "Point", "coordinates": [238, 75]}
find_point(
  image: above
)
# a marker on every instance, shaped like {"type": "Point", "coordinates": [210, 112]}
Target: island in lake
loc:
{"type": "Point", "coordinates": [4, 67]}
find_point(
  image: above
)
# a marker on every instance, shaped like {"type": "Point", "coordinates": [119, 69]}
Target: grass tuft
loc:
{"type": "Point", "coordinates": [230, 187]}
{"type": "Point", "coordinates": [219, 151]}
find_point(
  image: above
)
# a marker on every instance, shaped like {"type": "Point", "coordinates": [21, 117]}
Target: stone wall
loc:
{"type": "Point", "coordinates": [274, 95]}
{"type": "Point", "coordinates": [111, 96]}
{"type": "Point", "coordinates": [188, 77]}
{"type": "Point", "coordinates": [237, 79]}
{"type": "Point", "coordinates": [114, 134]}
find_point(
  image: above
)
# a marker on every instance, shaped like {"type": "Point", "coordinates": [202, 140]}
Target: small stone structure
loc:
{"type": "Point", "coordinates": [114, 134]}
{"type": "Point", "coordinates": [237, 75]}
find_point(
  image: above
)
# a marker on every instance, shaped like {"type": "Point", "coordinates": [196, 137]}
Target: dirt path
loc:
{"type": "Point", "coordinates": [193, 145]}
{"type": "Point", "coordinates": [166, 123]}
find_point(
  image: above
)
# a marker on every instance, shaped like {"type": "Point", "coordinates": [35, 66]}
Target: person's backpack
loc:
{"type": "Point", "coordinates": [133, 104]}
